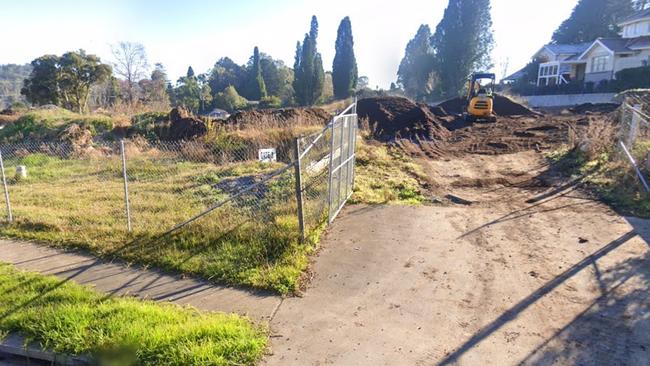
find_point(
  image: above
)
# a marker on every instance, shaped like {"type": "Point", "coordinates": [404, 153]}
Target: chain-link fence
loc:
{"type": "Point", "coordinates": [634, 135]}
{"type": "Point", "coordinates": [120, 190]}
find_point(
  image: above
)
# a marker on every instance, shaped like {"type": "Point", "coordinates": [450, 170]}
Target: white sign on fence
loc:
{"type": "Point", "coordinates": [267, 155]}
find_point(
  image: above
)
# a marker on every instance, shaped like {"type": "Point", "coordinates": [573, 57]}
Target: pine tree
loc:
{"type": "Point", "coordinates": [344, 70]}
{"type": "Point", "coordinates": [308, 68]}
{"type": "Point", "coordinates": [190, 72]}
{"type": "Point", "coordinates": [591, 19]}
{"type": "Point", "coordinates": [256, 85]}
{"type": "Point", "coordinates": [462, 44]}
{"type": "Point", "coordinates": [415, 73]}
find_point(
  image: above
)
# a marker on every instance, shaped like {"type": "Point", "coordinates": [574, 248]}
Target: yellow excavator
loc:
{"type": "Point", "coordinates": [480, 98]}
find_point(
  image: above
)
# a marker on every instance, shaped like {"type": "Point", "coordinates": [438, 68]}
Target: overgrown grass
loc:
{"type": "Point", "coordinates": [47, 124]}
{"type": "Point", "coordinates": [609, 175]}
{"type": "Point", "coordinates": [79, 203]}
{"type": "Point", "coordinates": [385, 175]}
{"type": "Point", "coordinates": [71, 319]}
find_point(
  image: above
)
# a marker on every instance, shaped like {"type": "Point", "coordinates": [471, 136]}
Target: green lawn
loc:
{"type": "Point", "coordinates": [79, 203]}
{"type": "Point", "coordinates": [71, 319]}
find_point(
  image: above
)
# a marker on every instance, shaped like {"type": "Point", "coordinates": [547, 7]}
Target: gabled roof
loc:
{"type": "Point", "coordinates": [613, 45]}
{"type": "Point", "coordinates": [616, 45]}
{"type": "Point", "coordinates": [639, 15]}
{"type": "Point", "coordinates": [568, 49]}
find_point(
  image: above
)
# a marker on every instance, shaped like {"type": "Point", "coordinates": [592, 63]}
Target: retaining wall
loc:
{"type": "Point", "coordinates": [568, 100]}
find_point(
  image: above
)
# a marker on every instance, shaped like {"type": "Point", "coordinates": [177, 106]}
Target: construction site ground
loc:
{"type": "Point", "coordinates": [523, 269]}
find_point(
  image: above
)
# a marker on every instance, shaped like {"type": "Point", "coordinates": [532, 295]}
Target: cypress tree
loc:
{"type": "Point", "coordinates": [308, 68]}
{"type": "Point", "coordinates": [297, 73]}
{"type": "Point", "coordinates": [344, 69]}
{"type": "Point", "coordinates": [257, 86]}
{"type": "Point", "coordinates": [415, 73]}
{"type": "Point", "coordinates": [462, 43]}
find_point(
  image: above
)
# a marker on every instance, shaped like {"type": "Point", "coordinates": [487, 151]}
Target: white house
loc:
{"type": "Point", "coordinates": [599, 60]}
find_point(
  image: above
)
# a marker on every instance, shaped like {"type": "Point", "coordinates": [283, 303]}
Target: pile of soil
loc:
{"type": "Point", "coordinates": [399, 118]}
{"type": "Point", "coordinates": [284, 116]}
{"type": "Point", "coordinates": [430, 131]}
{"type": "Point", "coordinates": [184, 126]}
{"type": "Point", "coordinates": [503, 106]}
{"type": "Point", "coordinates": [590, 108]}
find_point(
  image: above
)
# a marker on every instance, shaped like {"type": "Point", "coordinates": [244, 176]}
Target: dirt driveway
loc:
{"type": "Point", "coordinates": [532, 272]}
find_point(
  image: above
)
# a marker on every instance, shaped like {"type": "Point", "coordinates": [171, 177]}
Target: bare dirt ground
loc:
{"type": "Point", "coordinates": [524, 269]}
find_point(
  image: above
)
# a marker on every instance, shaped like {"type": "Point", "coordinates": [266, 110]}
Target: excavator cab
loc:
{"type": "Point", "coordinates": [480, 97]}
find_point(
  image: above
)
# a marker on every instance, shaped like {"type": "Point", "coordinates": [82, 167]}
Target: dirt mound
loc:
{"type": "Point", "coordinates": [400, 118]}
{"type": "Point", "coordinates": [183, 125]}
{"type": "Point", "coordinates": [503, 106]}
{"type": "Point", "coordinates": [429, 131]}
{"type": "Point", "coordinates": [280, 117]}
{"type": "Point", "coordinates": [590, 108]}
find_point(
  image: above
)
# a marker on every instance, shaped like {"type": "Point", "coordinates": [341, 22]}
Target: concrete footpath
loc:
{"type": "Point", "coordinates": [117, 278]}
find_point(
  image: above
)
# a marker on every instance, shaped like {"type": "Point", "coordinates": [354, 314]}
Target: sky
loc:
{"type": "Point", "coordinates": [197, 33]}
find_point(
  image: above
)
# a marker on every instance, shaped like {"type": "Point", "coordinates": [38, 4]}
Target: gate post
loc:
{"type": "Point", "coordinates": [331, 175]}
{"type": "Point", "coordinates": [299, 197]}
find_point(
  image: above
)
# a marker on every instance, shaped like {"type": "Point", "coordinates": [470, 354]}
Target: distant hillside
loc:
{"type": "Point", "coordinates": [11, 81]}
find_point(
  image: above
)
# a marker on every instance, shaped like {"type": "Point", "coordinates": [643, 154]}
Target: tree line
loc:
{"type": "Point", "coordinates": [436, 65]}
{"type": "Point", "coordinates": [79, 81]}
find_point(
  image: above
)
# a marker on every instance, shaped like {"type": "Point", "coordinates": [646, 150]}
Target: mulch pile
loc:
{"type": "Point", "coordinates": [439, 131]}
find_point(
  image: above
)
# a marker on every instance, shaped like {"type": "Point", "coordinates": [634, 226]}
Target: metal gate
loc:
{"type": "Point", "coordinates": [325, 171]}
{"type": "Point", "coordinates": [342, 160]}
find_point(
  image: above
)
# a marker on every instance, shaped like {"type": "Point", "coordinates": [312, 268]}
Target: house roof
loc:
{"type": "Point", "coordinates": [639, 15]}
{"type": "Point", "coordinates": [639, 43]}
{"type": "Point", "coordinates": [515, 75]}
{"type": "Point", "coordinates": [616, 45]}
{"type": "Point", "coordinates": [567, 49]}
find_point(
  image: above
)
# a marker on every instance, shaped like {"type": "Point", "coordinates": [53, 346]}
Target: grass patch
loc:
{"type": "Point", "coordinates": [47, 124]}
{"type": "Point", "coordinates": [79, 203]}
{"type": "Point", "coordinates": [609, 176]}
{"type": "Point", "coordinates": [71, 319]}
{"type": "Point", "coordinates": [385, 175]}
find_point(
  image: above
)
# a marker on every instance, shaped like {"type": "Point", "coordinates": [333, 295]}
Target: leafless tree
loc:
{"type": "Point", "coordinates": [131, 64]}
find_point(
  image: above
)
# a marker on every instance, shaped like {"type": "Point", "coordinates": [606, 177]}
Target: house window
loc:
{"type": "Point", "coordinates": [599, 63]}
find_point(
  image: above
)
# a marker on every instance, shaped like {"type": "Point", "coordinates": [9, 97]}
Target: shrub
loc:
{"type": "Point", "coordinates": [47, 124]}
{"type": "Point", "coordinates": [271, 102]}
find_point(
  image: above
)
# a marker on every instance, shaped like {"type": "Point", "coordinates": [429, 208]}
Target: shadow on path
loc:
{"type": "Point", "coordinates": [513, 312]}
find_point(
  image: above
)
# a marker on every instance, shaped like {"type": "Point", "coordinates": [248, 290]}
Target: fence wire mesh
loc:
{"type": "Point", "coordinates": [137, 188]}
{"type": "Point", "coordinates": [314, 167]}
{"type": "Point", "coordinates": [634, 135]}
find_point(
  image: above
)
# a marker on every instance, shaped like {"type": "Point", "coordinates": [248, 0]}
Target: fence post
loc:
{"type": "Point", "coordinates": [330, 173]}
{"type": "Point", "coordinates": [127, 205]}
{"type": "Point", "coordinates": [10, 216]}
{"type": "Point", "coordinates": [299, 196]}
{"type": "Point", "coordinates": [634, 126]}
